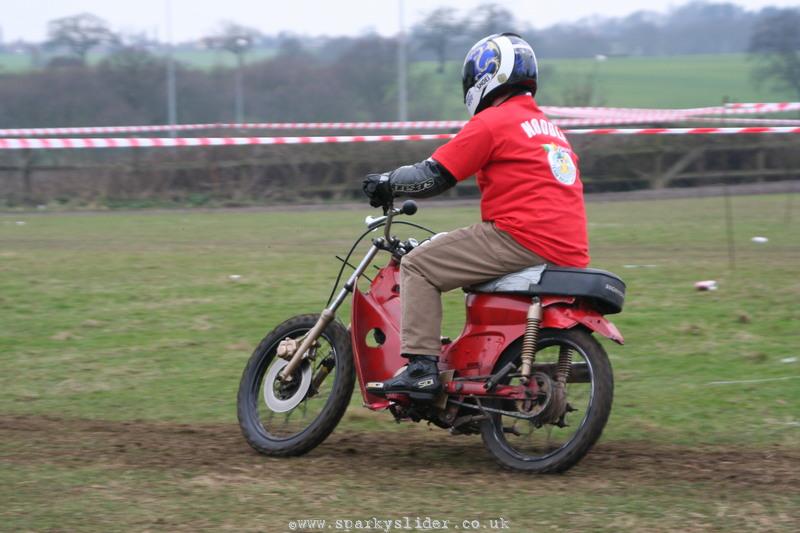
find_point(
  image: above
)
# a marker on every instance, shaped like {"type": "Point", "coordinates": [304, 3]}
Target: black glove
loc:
{"type": "Point", "coordinates": [378, 189]}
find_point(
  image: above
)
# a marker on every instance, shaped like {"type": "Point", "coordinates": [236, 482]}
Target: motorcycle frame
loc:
{"type": "Point", "coordinates": [493, 323]}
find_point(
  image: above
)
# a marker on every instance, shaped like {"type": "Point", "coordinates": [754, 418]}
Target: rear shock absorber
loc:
{"type": "Point", "coordinates": [559, 406]}
{"type": "Point", "coordinates": [531, 339]}
{"type": "Point", "coordinates": [564, 363]}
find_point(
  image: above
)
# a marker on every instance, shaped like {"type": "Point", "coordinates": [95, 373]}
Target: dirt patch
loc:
{"type": "Point", "coordinates": [219, 450]}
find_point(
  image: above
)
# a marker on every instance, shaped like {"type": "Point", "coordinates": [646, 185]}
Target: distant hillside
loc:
{"type": "Point", "coordinates": [669, 82]}
{"type": "Point", "coordinates": [361, 94]}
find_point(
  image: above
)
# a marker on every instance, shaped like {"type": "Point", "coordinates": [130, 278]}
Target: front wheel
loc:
{"type": "Point", "coordinates": [293, 418]}
{"type": "Point", "coordinates": [563, 427]}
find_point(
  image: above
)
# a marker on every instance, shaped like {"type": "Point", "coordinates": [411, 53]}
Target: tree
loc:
{"type": "Point", "coordinates": [237, 40]}
{"type": "Point", "coordinates": [436, 31]}
{"type": "Point", "coordinates": [136, 77]}
{"type": "Point", "coordinates": [79, 34]}
{"type": "Point", "coordinates": [488, 19]}
{"type": "Point", "coordinates": [775, 46]}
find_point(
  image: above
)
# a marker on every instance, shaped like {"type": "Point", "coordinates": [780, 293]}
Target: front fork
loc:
{"type": "Point", "coordinates": [287, 349]}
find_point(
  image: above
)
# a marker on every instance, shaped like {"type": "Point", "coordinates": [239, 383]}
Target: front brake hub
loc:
{"type": "Point", "coordinates": [282, 396]}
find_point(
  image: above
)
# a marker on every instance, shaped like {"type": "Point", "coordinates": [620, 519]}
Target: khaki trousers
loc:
{"type": "Point", "coordinates": [462, 257]}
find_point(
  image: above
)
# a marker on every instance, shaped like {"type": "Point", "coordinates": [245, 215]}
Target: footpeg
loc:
{"type": "Point", "coordinates": [375, 386]}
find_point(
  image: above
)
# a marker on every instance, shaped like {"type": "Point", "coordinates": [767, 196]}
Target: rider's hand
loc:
{"type": "Point", "coordinates": [378, 189]}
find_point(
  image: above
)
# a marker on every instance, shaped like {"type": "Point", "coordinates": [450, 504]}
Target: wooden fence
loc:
{"type": "Point", "coordinates": [298, 173]}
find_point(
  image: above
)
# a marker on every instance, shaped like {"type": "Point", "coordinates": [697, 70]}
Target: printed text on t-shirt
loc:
{"type": "Point", "coordinates": [542, 127]}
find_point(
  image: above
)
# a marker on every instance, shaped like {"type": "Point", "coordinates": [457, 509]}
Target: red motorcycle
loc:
{"type": "Point", "coordinates": [526, 372]}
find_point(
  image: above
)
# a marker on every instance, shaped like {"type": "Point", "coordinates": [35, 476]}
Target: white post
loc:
{"type": "Point", "coordinates": [239, 87]}
{"type": "Point", "coordinates": [402, 90]}
{"type": "Point", "coordinates": [171, 96]}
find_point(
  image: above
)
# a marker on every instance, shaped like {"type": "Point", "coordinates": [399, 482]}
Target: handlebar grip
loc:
{"type": "Point", "coordinates": [409, 207]}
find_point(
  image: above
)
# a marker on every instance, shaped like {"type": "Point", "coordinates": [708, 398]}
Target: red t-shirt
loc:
{"type": "Point", "coordinates": [528, 177]}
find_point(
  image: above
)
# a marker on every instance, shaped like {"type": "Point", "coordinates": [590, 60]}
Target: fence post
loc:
{"type": "Point", "coordinates": [27, 181]}
{"type": "Point", "coordinates": [729, 228]}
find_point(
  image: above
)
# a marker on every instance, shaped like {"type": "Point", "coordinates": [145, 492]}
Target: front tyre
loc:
{"type": "Point", "coordinates": [554, 445]}
{"type": "Point", "coordinates": [291, 419]}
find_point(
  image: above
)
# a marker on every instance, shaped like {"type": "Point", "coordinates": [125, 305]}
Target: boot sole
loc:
{"type": "Point", "coordinates": [414, 395]}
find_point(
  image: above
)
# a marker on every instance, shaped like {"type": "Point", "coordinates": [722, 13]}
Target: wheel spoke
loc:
{"type": "Point", "coordinates": [538, 439]}
{"type": "Point", "coordinates": [308, 409]}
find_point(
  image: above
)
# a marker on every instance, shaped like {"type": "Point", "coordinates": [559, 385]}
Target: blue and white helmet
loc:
{"type": "Point", "coordinates": [496, 63]}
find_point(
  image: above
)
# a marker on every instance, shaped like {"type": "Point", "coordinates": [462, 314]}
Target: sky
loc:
{"type": "Point", "coordinates": [192, 19]}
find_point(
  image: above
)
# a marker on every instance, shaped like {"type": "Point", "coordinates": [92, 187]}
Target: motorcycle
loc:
{"type": "Point", "coordinates": [526, 373]}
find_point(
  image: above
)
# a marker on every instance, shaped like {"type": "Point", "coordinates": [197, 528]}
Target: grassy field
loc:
{"type": "Point", "coordinates": [122, 339]}
{"type": "Point", "coordinates": [662, 82]}
{"type": "Point", "coordinates": [674, 81]}
{"type": "Point", "coordinates": [684, 81]}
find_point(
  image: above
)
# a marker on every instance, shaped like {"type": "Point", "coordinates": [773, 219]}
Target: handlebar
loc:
{"type": "Point", "coordinates": [408, 208]}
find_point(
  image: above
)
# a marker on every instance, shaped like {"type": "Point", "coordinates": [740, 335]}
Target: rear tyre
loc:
{"type": "Point", "coordinates": [547, 448]}
{"type": "Point", "coordinates": [295, 429]}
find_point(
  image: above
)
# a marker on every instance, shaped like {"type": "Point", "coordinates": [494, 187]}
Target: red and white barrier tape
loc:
{"type": "Point", "coordinates": [101, 130]}
{"type": "Point", "coordinates": [610, 112]}
{"type": "Point", "coordinates": [571, 116]}
{"type": "Point", "coordinates": [764, 107]}
{"type": "Point", "coordinates": [684, 131]}
{"type": "Point", "coordinates": [419, 124]}
{"type": "Point", "coordinates": [161, 142]}
{"type": "Point", "coordinates": [572, 122]}
{"type": "Point", "coordinates": [753, 121]}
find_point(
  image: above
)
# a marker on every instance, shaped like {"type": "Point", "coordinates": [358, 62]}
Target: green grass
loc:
{"type": "Point", "coordinates": [665, 82]}
{"type": "Point", "coordinates": [657, 82]}
{"type": "Point", "coordinates": [133, 317]}
{"type": "Point", "coordinates": [102, 310]}
{"type": "Point", "coordinates": [684, 81]}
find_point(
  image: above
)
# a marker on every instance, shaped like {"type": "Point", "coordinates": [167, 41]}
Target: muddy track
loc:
{"type": "Point", "coordinates": [219, 448]}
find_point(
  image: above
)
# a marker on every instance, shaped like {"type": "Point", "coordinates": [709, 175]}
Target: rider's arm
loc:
{"type": "Point", "coordinates": [469, 151]}
{"type": "Point", "coordinates": [460, 158]}
{"type": "Point", "coordinates": [421, 180]}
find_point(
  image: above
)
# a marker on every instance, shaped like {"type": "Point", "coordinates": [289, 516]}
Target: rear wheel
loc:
{"type": "Point", "coordinates": [292, 418]}
{"type": "Point", "coordinates": [567, 425]}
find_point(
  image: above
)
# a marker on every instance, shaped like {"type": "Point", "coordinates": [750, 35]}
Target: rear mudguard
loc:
{"type": "Point", "coordinates": [494, 321]}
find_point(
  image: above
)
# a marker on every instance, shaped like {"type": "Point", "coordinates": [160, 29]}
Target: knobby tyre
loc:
{"type": "Point", "coordinates": [297, 431]}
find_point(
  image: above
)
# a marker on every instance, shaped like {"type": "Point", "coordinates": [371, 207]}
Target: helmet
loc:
{"type": "Point", "coordinates": [495, 64]}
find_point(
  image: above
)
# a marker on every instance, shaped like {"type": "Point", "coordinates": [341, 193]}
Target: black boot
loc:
{"type": "Point", "coordinates": [420, 380]}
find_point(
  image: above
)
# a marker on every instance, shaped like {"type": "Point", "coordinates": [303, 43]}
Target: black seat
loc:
{"type": "Point", "coordinates": [604, 288]}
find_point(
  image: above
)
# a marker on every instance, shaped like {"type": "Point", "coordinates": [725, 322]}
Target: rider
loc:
{"type": "Point", "coordinates": [532, 206]}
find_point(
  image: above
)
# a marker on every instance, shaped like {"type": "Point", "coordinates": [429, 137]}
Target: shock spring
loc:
{"type": "Point", "coordinates": [530, 339]}
{"type": "Point", "coordinates": [564, 363]}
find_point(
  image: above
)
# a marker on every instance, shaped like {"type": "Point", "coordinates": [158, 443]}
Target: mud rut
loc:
{"type": "Point", "coordinates": [220, 449]}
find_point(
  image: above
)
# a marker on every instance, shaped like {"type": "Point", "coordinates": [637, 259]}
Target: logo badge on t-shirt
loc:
{"type": "Point", "coordinates": [561, 164]}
